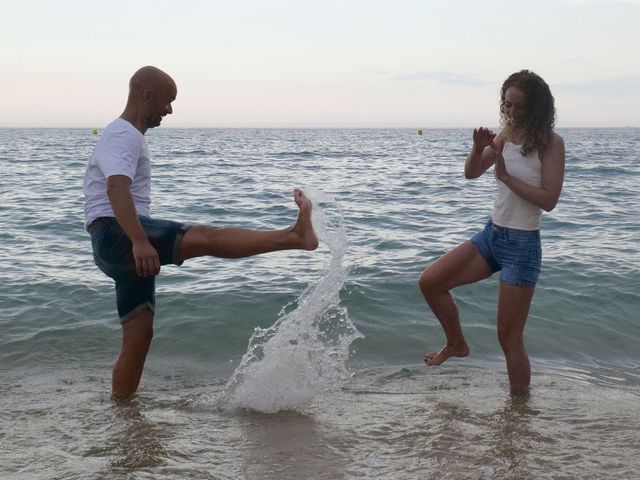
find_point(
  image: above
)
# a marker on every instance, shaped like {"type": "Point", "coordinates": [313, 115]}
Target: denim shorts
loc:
{"type": "Point", "coordinates": [517, 254]}
{"type": "Point", "coordinates": [112, 253]}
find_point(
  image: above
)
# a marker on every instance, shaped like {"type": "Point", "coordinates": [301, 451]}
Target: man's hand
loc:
{"type": "Point", "coordinates": [146, 258]}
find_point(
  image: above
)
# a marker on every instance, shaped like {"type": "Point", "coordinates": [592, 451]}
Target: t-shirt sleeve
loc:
{"type": "Point", "coordinates": [120, 155]}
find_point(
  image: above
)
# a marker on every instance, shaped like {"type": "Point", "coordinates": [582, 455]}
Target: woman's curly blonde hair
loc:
{"type": "Point", "coordinates": [539, 113]}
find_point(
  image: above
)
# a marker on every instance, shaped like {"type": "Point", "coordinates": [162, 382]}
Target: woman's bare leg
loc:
{"type": "Point", "coordinates": [460, 266]}
{"type": "Point", "coordinates": [513, 310]}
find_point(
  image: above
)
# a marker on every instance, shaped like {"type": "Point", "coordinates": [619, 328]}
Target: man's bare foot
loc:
{"type": "Point", "coordinates": [520, 391]}
{"type": "Point", "coordinates": [436, 358]}
{"type": "Point", "coordinates": [303, 227]}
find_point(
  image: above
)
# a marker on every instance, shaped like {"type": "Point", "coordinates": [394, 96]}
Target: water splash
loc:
{"type": "Point", "coordinates": [303, 354]}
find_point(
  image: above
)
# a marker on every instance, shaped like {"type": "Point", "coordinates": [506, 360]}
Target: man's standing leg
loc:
{"type": "Point", "coordinates": [136, 339]}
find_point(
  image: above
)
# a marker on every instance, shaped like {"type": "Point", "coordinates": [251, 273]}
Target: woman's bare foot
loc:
{"type": "Point", "coordinates": [303, 227]}
{"type": "Point", "coordinates": [436, 358]}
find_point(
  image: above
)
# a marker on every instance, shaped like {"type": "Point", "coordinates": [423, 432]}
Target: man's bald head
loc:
{"type": "Point", "coordinates": [150, 78]}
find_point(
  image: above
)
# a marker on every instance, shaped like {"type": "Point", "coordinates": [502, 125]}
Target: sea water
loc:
{"type": "Point", "coordinates": [309, 364]}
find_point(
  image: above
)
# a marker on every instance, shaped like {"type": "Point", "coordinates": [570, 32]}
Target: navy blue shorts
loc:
{"type": "Point", "coordinates": [112, 253]}
{"type": "Point", "coordinates": [517, 254]}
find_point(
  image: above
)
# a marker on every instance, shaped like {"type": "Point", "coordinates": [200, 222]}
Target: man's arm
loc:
{"type": "Point", "coordinates": [145, 256]}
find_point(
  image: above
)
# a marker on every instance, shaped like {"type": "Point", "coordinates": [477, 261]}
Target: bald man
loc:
{"type": "Point", "coordinates": [129, 246]}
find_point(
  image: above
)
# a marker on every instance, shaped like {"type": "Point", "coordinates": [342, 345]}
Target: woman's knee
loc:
{"type": "Point", "coordinates": [428, 283]}
{"type": "Point", "coordinates": [511, 339]}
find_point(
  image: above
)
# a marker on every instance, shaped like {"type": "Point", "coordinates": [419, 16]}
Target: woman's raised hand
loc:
{"type": "Point", "coordinates": [482, 137]}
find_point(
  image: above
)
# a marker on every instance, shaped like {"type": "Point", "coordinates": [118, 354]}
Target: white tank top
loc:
{"type": "Point", "coordinates": [510, 210]}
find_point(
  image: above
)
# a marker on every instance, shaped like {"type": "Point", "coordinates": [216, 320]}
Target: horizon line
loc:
{"type": "Point", "coordinates": [621, 127]}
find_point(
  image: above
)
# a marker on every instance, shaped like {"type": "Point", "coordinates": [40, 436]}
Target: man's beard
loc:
{"type": "Point", "coordinates": [153, 121]}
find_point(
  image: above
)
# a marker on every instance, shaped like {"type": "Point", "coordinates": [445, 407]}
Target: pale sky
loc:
{"type": "Point", "coordinates": [323, 63]}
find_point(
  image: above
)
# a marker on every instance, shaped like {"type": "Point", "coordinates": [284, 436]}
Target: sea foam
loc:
{"type": "Point", "coordinates": [304, 353]}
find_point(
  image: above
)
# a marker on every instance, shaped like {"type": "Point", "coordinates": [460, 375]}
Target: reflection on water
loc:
{"type": "Point", "coordinates": [287, 445]}
{"type": "Point", "coordinates": [132, 442]}
{"type": "Point", "coordinates": [498, 442]}
{"type": "Point", "coordinates": [514, 439]}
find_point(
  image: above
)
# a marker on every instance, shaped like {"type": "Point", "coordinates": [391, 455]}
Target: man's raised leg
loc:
{"type": "Point", "coordinates": [136, 339]}
{"type": "Point", "coordinates": [202, 240]}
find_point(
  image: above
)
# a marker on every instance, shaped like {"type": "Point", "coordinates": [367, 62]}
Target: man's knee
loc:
{"type": "Point", "coordinates": [197, 241]}
{"type": "Point", "coordinates": [139, 330]}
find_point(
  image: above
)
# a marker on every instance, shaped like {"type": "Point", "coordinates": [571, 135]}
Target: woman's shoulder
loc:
{"type": "Point", "coordinates": [555, 142]}
{"type": "Point", "coordinates": [501, 139]}
{"type": "Point", "coordinates": [554, 149]}
{"type": "Point", "coordinates": [505, 136]}
{"type": "Point", "coordinates": [554, 137]}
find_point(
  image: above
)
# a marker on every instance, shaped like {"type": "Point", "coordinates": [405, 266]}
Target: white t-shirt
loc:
{"type": "Point", "coordinates": [511, 210]}
{"type": "Point", "coordinates": [121, 150]}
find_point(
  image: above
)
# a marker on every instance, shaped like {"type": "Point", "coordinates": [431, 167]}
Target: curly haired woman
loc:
{"type": "Point", "coordinates": [528, 158]}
